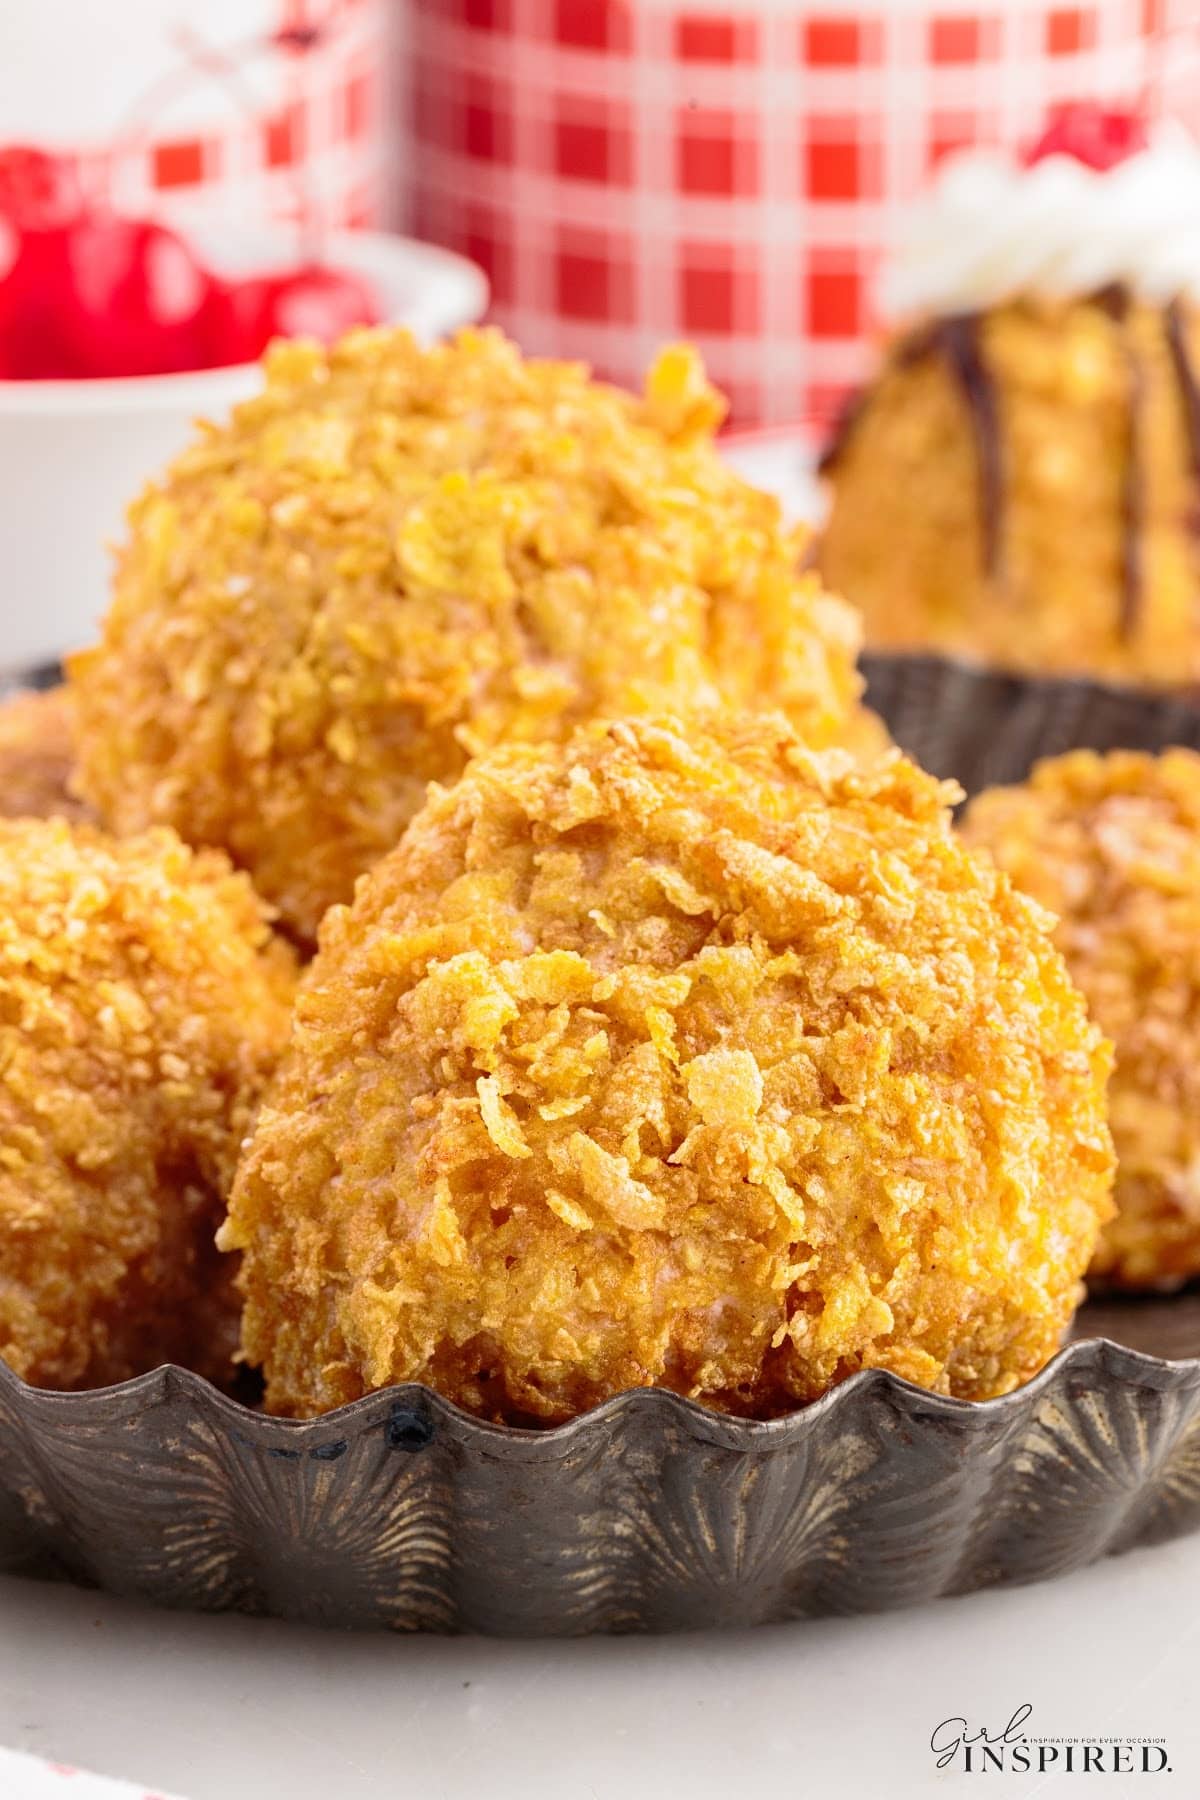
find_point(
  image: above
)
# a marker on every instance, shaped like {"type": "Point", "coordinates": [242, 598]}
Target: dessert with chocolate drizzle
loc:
{"type": "Point", "coordinates": [1021, 481]}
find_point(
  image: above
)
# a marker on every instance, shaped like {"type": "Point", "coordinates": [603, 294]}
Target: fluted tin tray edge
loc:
{"type": "Point", "coordinates": [987, 727]}
{"type": "Point", "coordinates": [649, 1513]}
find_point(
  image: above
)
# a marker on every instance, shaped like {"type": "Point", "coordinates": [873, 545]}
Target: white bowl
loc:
{"type": "Point", "coordinates": [74, 453]}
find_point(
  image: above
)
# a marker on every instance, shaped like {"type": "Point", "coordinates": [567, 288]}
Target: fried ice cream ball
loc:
{"type": "Point", "coordinates": [1112, 845]}
{"type": "Point", "coordinates": [142, 1005]}
{"type": "Point", "coordinates": [702, 1061]}
{"type": "Point", "coordinates": [37, 757]}
{"type": "Point", "coordinates": [1018, 487]}
{"type": "Point", "coordinates": [395, 558]}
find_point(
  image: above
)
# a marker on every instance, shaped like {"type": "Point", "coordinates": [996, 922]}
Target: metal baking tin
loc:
{"type": "Point", "coordinates": [649, 1513]}
{"type": "Point", "coordinates": [987, 728]}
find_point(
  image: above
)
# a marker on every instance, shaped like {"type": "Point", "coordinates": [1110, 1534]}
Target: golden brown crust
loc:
{"type": "Point", "coordinates": [397, 557]}
{"type": "Point", "coordinates": [142, 1005]}
{"type": "Point", "coordinates": [37, 757]}
{"type": "Point", "coordinates": [1112, 845]}
{"type": "Point", "coordinates": [700, 1060]}
{"type": "Point", "coordinates": [905, 534]}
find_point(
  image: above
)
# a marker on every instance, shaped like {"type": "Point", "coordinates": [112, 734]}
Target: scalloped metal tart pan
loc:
{"type": "Point", "coordinates": [649, 1513]}
{"type": "Point", "coordinates": [986, 728]}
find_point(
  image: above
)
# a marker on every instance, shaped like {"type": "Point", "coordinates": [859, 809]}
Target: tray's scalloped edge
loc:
{"type": "Point", "coordinates": [1097, 1357]}
{"type": "Point", "coordinates": [400, 1510]}
{"type": "Point", "coordinates": [650, 1512]}
{"type": "Point", "coordinates": [986, 727]}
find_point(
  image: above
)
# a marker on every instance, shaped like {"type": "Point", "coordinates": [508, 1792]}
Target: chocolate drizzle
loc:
{"type": "Point", "coordinates": [1115, 301]}
{"type": "Point", "coordinates": [957, 340]}
{"type": "Point", "coordinates": [909, 350]}
{"type": "Point", "coordinates": [1185, 375]}
{"type": "Point", "coordinates": [914, 348]}
{"type": "Point", "coordinates": [844, 426]}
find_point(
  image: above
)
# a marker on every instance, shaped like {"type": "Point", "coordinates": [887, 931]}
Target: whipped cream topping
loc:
{"type": "Point", "coordinates": [991, 229]}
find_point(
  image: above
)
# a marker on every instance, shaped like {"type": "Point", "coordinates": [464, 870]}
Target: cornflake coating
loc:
{"type": "Point", "coordinates": [142, 1006]}
{"type": "Point", "coordinates": [1079, 500]}
{"type": "Point", "coordinates": [395, 558]}
{"type": "Point", "coordinates": [1112, 845]}
{"type": "Point", "coordinates": [705, 1062]}
{"type": "Point", "coordinates": [37, 756]}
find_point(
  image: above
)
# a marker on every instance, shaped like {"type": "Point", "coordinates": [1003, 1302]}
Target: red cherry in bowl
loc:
{"type": "Point", "coordinates": [138, 300]}
{"type": "Point", "coordinates": [1099, 136]}
{"type": "Point", "coordinates": [311, 301]}
{"type": "Point", "coordinates": [35, 343]}
{"type": "Point", "coordinates": [40, 204]}
{"type": "Point", "coordinates": [38, 190]}
{"type": "Point", "coordinates": [87, 293]}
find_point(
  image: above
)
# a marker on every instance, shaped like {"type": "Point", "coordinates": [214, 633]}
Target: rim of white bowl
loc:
{"type": "Point", "coordinates": [430, 290]}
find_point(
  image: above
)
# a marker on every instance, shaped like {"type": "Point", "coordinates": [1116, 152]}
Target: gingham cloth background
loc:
{"type": "Point", "coordinates": [634, 170]}
{"type": "Point", "coordinates": [226, 112]}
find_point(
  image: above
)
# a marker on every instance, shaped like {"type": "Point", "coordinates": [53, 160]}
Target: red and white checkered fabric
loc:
{"type": "Point", "coordinates": [629, 171]}
{"type": "Point", "coordinates": [228, 113]}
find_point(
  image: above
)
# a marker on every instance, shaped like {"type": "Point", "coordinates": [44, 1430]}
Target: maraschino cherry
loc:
{"type": "Point", "coordinates": [312, 301]}
{"type": "Point", "coordinates": [1099, 136]}
{"type": "Point", "coordinates": [39, 201]}
{"type": "Point", "coordinates": [85, 292]}
{"type": "Point", "coordinates": [139, 301]}
{"type": "Point", "coordinates": [38, 191]}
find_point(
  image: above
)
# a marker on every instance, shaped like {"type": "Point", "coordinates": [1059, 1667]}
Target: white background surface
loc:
{"type": "Point", "coordinates": [243, 1709]}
